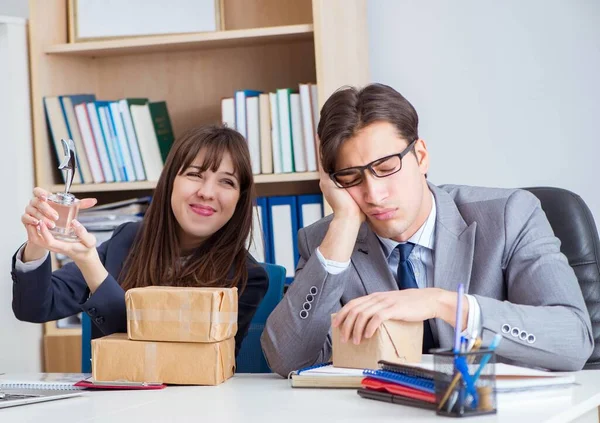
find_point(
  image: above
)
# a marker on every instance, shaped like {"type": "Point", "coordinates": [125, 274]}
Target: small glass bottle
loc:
{"type": "Point", "coordinates": [65, 203]}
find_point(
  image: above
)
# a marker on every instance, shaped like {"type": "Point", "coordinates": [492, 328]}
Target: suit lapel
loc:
{"type": "Point", "coordinates": [370, 263]}
{"type": "Point", "coordinates": [453, 252]}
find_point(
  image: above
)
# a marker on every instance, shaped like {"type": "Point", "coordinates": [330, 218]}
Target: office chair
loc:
{"type": "Point", "coordinates": [574, 226]}
{"type": "Point", "coordinates": [250, 358]}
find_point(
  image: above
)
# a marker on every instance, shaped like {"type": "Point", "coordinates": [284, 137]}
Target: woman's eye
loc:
{"type": "Point", "coordinates": [194, 174]}
{"type": "Point", "coordinates": [229, 182]}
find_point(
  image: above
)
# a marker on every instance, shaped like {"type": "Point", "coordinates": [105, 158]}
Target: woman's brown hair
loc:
{"type": "Point", "coordinates": [155, 256]}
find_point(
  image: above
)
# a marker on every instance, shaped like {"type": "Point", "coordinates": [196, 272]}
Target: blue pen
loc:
{"type": "Point", "coordinates": [457, 327]}
{"type": "Point", "coordinates": [487, 357]}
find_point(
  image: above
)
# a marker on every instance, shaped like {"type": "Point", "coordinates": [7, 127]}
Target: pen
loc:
{"type": "Point", "coordinates": [487, 357]}
{"type": "Point", "coordinates": [457, 327]}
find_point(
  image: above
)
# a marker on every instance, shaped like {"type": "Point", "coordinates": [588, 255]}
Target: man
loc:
{"type": "Point", "coordinates": [397, 247]}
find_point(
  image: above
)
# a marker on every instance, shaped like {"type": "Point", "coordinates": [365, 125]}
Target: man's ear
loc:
{"type": "Point", "coordinates": [422, 156]}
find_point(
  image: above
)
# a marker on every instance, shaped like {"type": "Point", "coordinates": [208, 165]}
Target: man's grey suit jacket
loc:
{"type": "Point", "coordinates": [498, 242]}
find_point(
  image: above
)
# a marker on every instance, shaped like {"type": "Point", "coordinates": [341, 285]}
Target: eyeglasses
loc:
{"type": "Point", "coordinates": [385, 166]}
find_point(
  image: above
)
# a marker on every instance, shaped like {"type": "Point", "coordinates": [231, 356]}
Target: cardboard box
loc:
{"type": "Point", "coordinates": [181, 314]}
{"type": "Point", "coordinates": [117, 358]}
{"type": "Point", "coordinates": [396, 341]}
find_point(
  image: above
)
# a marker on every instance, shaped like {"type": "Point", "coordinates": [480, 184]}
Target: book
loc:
{"type": "Point", "coordinates": [325, 375]}
{"type": "Point", "coordinates": [46, 381]}
{"type": "Point", "coordinates": [162, 126]}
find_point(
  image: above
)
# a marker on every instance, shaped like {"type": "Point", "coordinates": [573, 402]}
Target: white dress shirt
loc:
{"type": "Point", "coordinates": [421, 262]}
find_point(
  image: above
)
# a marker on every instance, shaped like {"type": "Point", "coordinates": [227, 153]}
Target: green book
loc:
{"type": "Point", "coordinates": [162, 127]}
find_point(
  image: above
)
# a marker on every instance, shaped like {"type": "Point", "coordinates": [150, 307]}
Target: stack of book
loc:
{"type": "Point", "coordinates": [280, 127]}
{"type": "Point", "coordinates": [116, 141]}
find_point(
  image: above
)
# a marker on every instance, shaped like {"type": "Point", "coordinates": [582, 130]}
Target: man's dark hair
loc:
{"type": "Point", "coordinates": [350, 109]}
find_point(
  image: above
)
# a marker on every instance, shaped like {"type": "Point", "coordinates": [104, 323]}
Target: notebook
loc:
{"type": "Point", "coordinates": [325, 375]}
{"type": "Point", "coordinates": [45, 381]}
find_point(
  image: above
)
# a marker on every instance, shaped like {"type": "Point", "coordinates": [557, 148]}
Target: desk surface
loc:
{"type": "Point", "coordinates": [268, 398]}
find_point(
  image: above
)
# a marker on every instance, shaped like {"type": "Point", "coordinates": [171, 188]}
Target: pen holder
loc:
{"type": "Point", "coordinates": [465, 383]}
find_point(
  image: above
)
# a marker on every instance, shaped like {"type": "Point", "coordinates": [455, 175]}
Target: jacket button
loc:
{"type": "Point", "coordinates": [515, 332]}
{"type": "Point", "coordinates": [531, 338]}
{"type": "Point", "coordinates": [99, 320]}
{"type": "Point", "coordinates": [313, 290]}
{"type": "Point", "coordinates": [506, 328]}
{"type": "Point", "coordinates": [92, 311]}
{"type": "Point", "coordinates": [523, 335]}
{"type": "Point", "coordinates": [306, 306]}
{"type": "Point", "coordinates": [310, 298]}
{"type": "Point", "coordinates": [303, 314]}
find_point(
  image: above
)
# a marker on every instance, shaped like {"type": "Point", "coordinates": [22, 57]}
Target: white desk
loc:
{"type": "Point", "coordinates": [268, 398]}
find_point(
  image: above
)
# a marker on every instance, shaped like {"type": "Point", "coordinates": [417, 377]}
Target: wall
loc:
{"type": "Point", "coordinates": [508, 93]}
{"type": "Point", "coordinates": [20, 343]}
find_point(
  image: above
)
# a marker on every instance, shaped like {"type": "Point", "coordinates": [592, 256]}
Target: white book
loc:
{"type": "Point", "coordinates": [90, 144]}
{"type": "Point", "coordinates": [275, 141]}
{"type": "Point", "coordinates": [285, 129]}
{"type": "Point", "coordinates": [122, 141]}
{"type": "Point", "coordinates": [308, 132]}
{"type": "Point", "coordinates": [228, 112]}
{"type": "Point", "coordinates": [142, 121]}
{"type": "Point", "coordinates": [134, 147]}
{"type": "Point", "coordinates": [297, 136]}
{"type": "Point", "coordinates": [110, 144]}
{"type": "Point", "coordinates": [100, 143]}
{"type": "Point", "coordinates": [240, 110]}
{"type": "Point", "coordinates": [314, 100]}
{"type": "Point", "coordinates": [266, 146]}
{"type": "Point", "coordinates": [253, 135]}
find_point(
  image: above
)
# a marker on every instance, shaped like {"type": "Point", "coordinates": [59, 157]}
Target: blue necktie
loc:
{"type": "Point", "coordinates": [407, 280]}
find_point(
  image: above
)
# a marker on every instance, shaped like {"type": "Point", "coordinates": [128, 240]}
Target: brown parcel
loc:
{"type": "Point", "coordinates": [180, 314]}
{"type": "Point", "coordinates": [115, 357]}
{"type": "Point", "coordinates": [396, 341]}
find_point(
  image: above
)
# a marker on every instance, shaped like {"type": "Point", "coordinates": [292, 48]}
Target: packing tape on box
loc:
{"type": "Point", "coordinates": [188, 316]}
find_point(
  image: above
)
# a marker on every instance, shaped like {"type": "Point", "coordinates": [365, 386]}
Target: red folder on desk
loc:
{"type": "Point", "coordinates": [393, 388]}
{"type": "Point", "coordinates": [90, 383]}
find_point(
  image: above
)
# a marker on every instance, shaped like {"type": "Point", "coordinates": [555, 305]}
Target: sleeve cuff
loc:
{"type": "Point", "coordinates": [473, 330]}
{"type": "Point", "coordinates": [332, 267]}
{"type": "Point", "coordinates": [30, 265]}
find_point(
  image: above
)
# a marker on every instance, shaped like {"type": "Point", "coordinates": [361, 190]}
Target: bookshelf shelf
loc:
{"type": "Point", "coordinates": [170, 43]}
{"type": "Point", "coordinates": [148, 185]}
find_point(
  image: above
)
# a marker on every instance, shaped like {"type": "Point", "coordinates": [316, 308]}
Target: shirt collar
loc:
{"type": "Point", "coordinates": [425, 236]}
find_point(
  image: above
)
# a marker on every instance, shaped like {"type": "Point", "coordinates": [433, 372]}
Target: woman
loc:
{"type": "Point", "coordinates": [193, 234]}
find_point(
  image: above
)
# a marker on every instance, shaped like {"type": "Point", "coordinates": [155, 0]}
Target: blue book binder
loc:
{"type": "Point", "coordinates": [283, 232]}
{"type": "Point", "coordinates": [240, 109]}
{"type": "Point", "coordinates": [260, 246]}
{"type": "Point", "coordinates": [116, 161]}
{"type": "Point", "coordinates": [310, 209]}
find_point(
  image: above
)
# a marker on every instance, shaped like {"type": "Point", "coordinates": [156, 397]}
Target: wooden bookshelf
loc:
{"type": "Point", "coordinates": [265, 45]}
{"type": "Point", "coordinates": [207, 40]}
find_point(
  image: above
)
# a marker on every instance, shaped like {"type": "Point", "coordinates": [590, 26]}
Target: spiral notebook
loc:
{"type": "Point", "coordinates": [43, 381]}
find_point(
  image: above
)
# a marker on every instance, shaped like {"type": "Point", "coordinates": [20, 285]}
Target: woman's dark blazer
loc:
{"type": "Point", "coordinates": [41, 295]}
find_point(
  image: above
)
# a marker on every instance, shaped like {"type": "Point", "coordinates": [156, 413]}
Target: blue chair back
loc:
{"type": "Point", "coordinates": [250, 358]}
{"type": "Point", "coordinates": [86, 343]}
